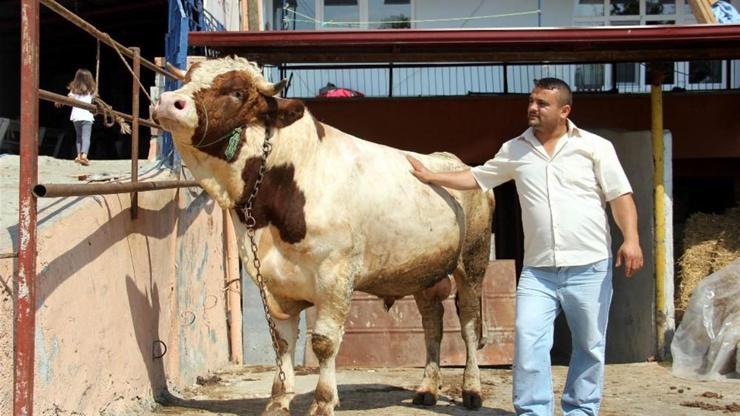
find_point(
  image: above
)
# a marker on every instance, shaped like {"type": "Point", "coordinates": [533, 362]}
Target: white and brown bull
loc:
{"type": "Point", "coordinates": [334, 214]}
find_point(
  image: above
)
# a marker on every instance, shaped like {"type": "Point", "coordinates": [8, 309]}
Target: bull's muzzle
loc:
{"type": "Point", "coordinates": [170, 107]}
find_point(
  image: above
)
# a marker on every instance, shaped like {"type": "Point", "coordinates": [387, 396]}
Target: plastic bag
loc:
{"type": "Point", "coordinates": [705, 344]}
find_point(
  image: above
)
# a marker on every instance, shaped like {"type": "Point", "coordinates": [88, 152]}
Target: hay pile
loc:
{"type": "Point", "coordinates": [711, 242]}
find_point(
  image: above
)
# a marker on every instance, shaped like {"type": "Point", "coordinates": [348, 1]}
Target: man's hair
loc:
{"type": "Point", "coordinates": [566, 96]}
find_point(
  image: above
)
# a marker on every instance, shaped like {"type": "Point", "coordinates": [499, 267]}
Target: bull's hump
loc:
{"type": "Point", "coordinates": [280, 202]}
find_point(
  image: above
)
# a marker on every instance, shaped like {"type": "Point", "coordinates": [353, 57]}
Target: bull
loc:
{"type": "Point", "coordinates": [333, 214]}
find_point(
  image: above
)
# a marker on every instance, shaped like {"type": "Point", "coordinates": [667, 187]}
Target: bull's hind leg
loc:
{"type": "Point", "coordinates": [469, 310]}
{"type": "Point", "coordinates": [432, 311]}
{"type": "Point", "coordinates": [282, 393]}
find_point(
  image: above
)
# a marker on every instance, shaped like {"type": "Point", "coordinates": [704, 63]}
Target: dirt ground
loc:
{"type": "Point", "coordinates": [630, 389]}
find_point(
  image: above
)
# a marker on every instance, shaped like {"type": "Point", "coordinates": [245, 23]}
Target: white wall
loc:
{"type": "Point", "coordinates": [225, 11]}
{"type": "Point", "coordinates": [443, 10]}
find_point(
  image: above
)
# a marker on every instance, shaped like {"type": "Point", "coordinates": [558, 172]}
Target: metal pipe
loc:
{"type": "Point", "coordinates": [136, 66]}
{"type": "Point", "coordinates": [24, 284]}
{"type": "Point", "coordinates": [56, 98]}
{"type": "Point", "coordinates": [656, 105]}
{"type": "Point", "coordinates": [103, 37]}
{"type": "Point", "coordinates": [73, 189]}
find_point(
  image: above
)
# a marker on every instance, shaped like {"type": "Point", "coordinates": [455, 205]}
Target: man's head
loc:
{"type": "Point", "coordinates": [549, 104]}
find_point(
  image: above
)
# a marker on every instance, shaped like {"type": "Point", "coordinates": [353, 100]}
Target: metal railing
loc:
{"type": "Point", "coordinates": [24, 284]}
{"type": "Point", "coordinates": [460, 79]}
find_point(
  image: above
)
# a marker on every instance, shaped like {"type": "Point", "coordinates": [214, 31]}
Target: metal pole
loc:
{"type": "Point", "coordinates": [56, 98]}
{"type": "Point", "coordinates": [656, 101]}
{"type": "Point", "coordinates": [25, 280]}
{"type": "Point", "coordinates": [539, 13]}
{"type": "Point", "coordinates": [135, 129]}
{"type": "Point", "coordinates": [75, 189]}
{"type": "Point", "coordinates": [103, 37]}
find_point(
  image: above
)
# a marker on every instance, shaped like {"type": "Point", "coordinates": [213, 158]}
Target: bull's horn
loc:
{"type": "Point", "coordinates": [269, 89]}
{"type": "Point", "coordinates": [177, 72]}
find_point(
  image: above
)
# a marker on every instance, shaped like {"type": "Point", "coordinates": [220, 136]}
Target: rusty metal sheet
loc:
{"type": "Point", "coordinates": [376, 338]}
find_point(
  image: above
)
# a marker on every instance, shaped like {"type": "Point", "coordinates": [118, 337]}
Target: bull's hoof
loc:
{"type": "Point", "coordinates": [321, 409]}
{"type": "Point", "coordinates": [424, 398]}
{"type": "Point", "coordinates": [278, 411]}
{"type": "Point", "coordinates": [472, 400]}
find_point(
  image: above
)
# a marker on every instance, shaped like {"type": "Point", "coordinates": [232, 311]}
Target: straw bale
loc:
{"type": "Point", "coordinates": [712, 241]}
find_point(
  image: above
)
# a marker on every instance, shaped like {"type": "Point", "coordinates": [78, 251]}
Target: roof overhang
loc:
{"type": "Point", "coordinates": [520, 45]}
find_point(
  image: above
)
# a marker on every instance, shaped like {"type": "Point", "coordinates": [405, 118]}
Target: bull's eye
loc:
{"type": "Point", "coordinates": [237, 94]}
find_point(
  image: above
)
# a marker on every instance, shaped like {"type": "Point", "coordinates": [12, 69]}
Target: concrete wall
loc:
{"type": "Point", "coordinates": [631, 334]}
{"type": "Point", "coordinates": [108, 289]}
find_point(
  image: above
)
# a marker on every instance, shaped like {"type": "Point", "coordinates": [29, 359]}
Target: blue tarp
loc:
{"type": "Point", "coordinates": [725, 12]}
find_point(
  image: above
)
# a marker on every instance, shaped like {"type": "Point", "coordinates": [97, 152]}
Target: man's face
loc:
{"type": "Point", "coordinates": [545, 111]}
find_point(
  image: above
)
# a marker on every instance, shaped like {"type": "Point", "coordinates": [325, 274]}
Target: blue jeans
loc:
{"type": "Point", "coordinates": [83, 129]}
{"type": "Point", "coordinates": [584, 294]}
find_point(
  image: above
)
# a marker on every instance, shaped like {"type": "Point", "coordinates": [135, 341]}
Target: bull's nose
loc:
{"type": "Point", "coordinates": [172, 102]}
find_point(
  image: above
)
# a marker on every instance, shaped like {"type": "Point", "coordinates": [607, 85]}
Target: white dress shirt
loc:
{"type": "Point", "coordinates": [563, 197]}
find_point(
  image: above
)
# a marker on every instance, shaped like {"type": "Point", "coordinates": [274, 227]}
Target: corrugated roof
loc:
{"type": "Point", "coordinates": [602, 44]}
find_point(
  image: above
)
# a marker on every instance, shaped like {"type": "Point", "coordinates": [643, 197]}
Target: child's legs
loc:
{"type": "Point", "coordinates": [84, 136]}
{"type": "Point", "coordinates": [78, 131]}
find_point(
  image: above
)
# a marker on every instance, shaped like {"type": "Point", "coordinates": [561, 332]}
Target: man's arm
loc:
{"type": "Point", "coordinates": [625, 215]}
{"type": "Point", "coordinates": [461, 180]}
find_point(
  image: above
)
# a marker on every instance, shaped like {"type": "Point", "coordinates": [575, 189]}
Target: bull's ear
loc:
{"type": "Point", "coordinates": [282, 112]}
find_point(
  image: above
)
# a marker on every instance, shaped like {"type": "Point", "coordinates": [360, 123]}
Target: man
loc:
{"type": "Point", "coordinates": [564, 177]}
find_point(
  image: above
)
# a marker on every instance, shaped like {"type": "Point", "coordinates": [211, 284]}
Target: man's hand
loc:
{"type": "Point", "coordinates": [58, 105]}
{"type": "Point", "coordinates": [461, 180]}
{"type": "Point", "coordinates": [625, 215]}
{"type": "Point", "coordinates": [418, 169]}
{"type": "Point", "coordinates": [630, 254]}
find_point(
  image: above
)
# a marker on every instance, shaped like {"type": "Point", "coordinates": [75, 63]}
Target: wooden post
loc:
{"type": "Point", "coordinates": [135, 129]}
{"type": "Point", "coordinates": [233, 289]}
{"type": "Point", "coordinates": [702, 10]}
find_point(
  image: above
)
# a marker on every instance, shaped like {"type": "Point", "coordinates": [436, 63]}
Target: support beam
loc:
{"type": "Point", "coordinates": [136, 66]}
{"type": "Point", "coordinates": [24, 284]}
{"type": "Point", "coordinates": [702, 10]}
{"type": "Point", "coordinates": [657, 75]}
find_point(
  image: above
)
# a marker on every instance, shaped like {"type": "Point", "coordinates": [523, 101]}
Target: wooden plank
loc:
{"type": "Point", "coordinates": [702, 10]}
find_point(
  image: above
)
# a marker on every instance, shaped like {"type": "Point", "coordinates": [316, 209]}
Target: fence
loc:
{"type": "Point", "coordinates": [25, 279]}
{"type": "Point", "coordinates": [455, 79]}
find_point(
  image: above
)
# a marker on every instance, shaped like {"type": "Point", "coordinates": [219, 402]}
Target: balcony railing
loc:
{"type": "Point", "coordinates": [460, 79]}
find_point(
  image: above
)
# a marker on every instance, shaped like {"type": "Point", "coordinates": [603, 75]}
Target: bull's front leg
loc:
{"type": "Point", "coordinates": [325, 340]}
{"type": "Point", "coordinates": [283, 393]}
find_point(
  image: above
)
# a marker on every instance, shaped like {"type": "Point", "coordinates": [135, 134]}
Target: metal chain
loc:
{"type": "Point", "coordinates": [251, 224]}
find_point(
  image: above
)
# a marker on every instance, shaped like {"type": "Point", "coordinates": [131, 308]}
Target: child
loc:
{"type": "Point", "coordinates": [82, 88]}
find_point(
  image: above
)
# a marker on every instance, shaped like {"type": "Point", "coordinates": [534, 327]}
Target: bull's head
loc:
{"type": "Point", "coordinates": [220, 95]}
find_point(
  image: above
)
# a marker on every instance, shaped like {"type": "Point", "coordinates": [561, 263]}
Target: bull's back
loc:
{"type": "Point", "coordinates": [406, 233]}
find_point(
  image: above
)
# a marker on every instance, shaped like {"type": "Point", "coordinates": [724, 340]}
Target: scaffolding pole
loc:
{"type": "Point", "coordinates": [24, 284]}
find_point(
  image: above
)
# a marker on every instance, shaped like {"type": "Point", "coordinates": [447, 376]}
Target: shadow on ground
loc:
{"type": "Point", "coordinates": [354, 397]}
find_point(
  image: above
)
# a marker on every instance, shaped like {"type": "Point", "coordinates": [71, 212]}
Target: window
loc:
{"type": "Point", "coordinates": [344, 14]}
{"type": "Point", "coordinates": [705, 72]}
{"type": "Point", "coordinates": [631, 12]}
{"type": "Point", "coordinates": [389, 14]}
{"type": "Point", "coordinates": [340, 14]}
{"type": "Point", "coordinates": [587, 8]}
{"type": "Point", "coordinates": [293, 15]}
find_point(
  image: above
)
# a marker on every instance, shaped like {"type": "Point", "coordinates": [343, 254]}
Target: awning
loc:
{"type": "Point", "coordinates": [521, 45]}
